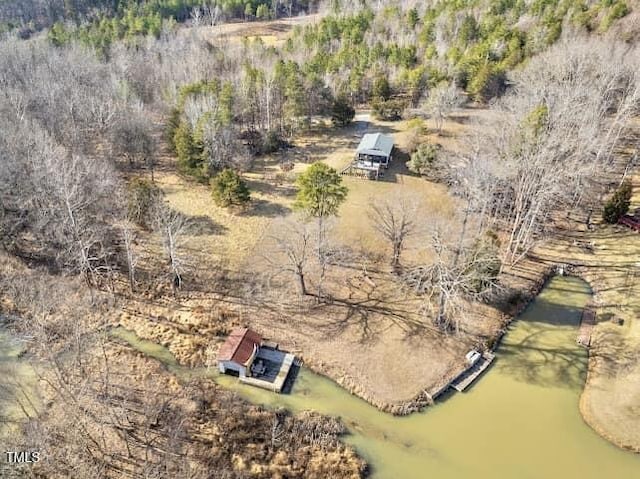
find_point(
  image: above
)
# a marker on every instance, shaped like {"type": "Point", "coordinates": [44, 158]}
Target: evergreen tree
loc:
{"type": "Point", "coordinates": [321, 191]}
{"type": "Point", "coordinates": [423, 159]}
{"type": "Point", "coordinates": [228, 189]}
{"type": "Point", "coordinates": [248, 11]}
{"type": "Point", "coordinates": [186, 148]}
{"type": "Point", "coordinates": [225, 104]}
{"type": "Point", "coordinates": [381, 89]}
{"type": "Point", "coordinates": [413, 18]}
{"type": "Point", "coordinates": [619, 203]}
{"type": "Point", "coordinates": [262, 12]}
{"type": "Point", "coordinates": [342, 113]}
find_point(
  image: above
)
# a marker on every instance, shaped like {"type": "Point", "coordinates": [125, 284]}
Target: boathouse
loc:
{"type": "Point", "coordinates": [255, 361]}
{"type": "Point", "coordinates": [238, 352]}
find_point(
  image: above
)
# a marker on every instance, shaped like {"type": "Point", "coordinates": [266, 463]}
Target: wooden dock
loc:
{"type": "Point", "coordinates": [466, 378]}
{"type": "Point", "coordinates": [586, 326]}
{"type": "Point", "coordinates": [275, 380]}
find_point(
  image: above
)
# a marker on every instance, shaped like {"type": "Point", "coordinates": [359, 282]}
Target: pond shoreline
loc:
{"type": "Point", "coordinates": [421, 442]}
{"type": "Point", "coordinates": [429, 395]}
{"type": "Point", "coordinates": [588, 418]}
{"type": "Point", "coordinates": [538, 272]}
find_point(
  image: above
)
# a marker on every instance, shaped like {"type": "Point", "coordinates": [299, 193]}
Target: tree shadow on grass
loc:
{"type": "Point", "coordinates": [614, 353]}
{"type": "Point", "coordinates": [203, 225]}
{"type": "Point", "coordinates": [372, 315]}
{"type": "Point", "coordinates": [460, 119]}
{"type": "Point", "coordinates": [266, 209]}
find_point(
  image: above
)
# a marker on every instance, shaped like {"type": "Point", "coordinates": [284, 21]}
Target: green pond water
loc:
{"type": "Point", "coordinates": [520, 420]}
{"type": "Point", "coordinates": [18, 384]}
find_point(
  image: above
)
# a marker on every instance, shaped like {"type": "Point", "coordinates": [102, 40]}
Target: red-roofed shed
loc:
{"type": "Point", "coordinates": [238, 351]}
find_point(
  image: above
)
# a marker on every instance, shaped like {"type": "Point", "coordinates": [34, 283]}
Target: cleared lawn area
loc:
{"type": "Point", "coordinates": [271, 32]}
{"type": "Point", "coordinates": [225, 236]}
{"type": "Point", "coordinates": [363, 343]}
{"type": "Point", "coordinates": [362, 339]}
{"type": "Point", "coordinates": [336, 147]}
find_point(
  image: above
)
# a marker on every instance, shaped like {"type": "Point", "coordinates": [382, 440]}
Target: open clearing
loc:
{"type": "Point", "coordinates": [365, 337]}
{"type": "Point", "coordinates": [271, 32]}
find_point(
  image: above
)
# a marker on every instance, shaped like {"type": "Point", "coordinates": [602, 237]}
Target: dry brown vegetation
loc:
{"type": "Point", "coordinates": [364, 335]}
{"type": "Point", "coordinates": [272, 32]}
{"type": "Point", "coordinates": [611, 399]}
{"type": "Point", "coordinates": [362, 326]}
{"type": "Point", "coordinates": [121, 414]}
{"type": "Point", "coordinates": [372, 325]}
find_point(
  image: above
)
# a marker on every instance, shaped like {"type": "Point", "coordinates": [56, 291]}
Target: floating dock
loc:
{"type": "Point", "coordinates": [466, 378]}
{"type": "Point", "coordinates": [586, 327]}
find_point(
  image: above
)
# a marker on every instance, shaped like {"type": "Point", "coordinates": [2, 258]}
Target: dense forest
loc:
{"type": "Point", "coordinates": [102, 21]}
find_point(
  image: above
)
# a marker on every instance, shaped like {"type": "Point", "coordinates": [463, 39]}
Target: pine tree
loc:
{"type": "Point", "coordinates": [619, 203]}
{"type": "Point", "coordinates": [228, 189]}
{"type": "Point", "coordinates": [321, 191]}
{"type": "Point", "coordinates": [186, 149]}
{"type": "Point", "coordinates": [342, 113]}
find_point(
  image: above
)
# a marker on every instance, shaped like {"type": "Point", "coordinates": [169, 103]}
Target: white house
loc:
{"type": "Point", "coordinates": [375, 149]}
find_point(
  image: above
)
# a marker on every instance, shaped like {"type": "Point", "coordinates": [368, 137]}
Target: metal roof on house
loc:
{"type": "Point", "coordinates": [239, 346]}
{"type": "Point", "coordinates": [373, 143]}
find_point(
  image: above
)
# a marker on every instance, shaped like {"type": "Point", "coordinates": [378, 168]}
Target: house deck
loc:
{"type": "Point", "coordinates": [277, 365]}
{"type": "Point", "coordinates": [464, 380]}
{"type": "Point", "coordinates": [362, 170]}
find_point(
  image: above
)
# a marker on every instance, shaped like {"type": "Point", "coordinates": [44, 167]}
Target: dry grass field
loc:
{"type": "Point", "coordinates": [362, 339]}
{"type": "Point", "coordinates": [271, 32]}
{"type": "Point", "coordinates": [365, 335]}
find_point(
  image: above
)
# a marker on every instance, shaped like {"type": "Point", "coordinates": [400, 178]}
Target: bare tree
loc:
{"type": "Point", "coordinates": [128, 240]}
{"type": "Point", "coordinates": [223, 148]}
{"type": "Point", "coordinates": [131, 139]}
{"type": "Point", "coordinates": [394, 219]}
{"type": "Point", "coordinates": [212, 14]}
{"type": "Point", "coordinates": [549, 137]}
{"type": "Point", "coordinates": [172, 226]}
{"type": "Point", "coordinates": [457, 275]}
{"type": "Point", "coordinates": [442, 100]}
{"type": "Point", "coordinates": [197, 16]}
{"type": "Point", "coordinates": [294, 243]}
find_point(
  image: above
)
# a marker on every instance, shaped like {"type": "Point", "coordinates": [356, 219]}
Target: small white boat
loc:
{"type": "Point", "coordinates": [473, 357]}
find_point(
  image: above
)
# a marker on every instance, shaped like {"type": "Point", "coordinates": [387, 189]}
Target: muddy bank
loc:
{"type": "Point", "coordinates": [193, 336]}
{"type": "Point", "coordinates": [248, 438]}
{"type": "Point", "coordinates": [531, 374]}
